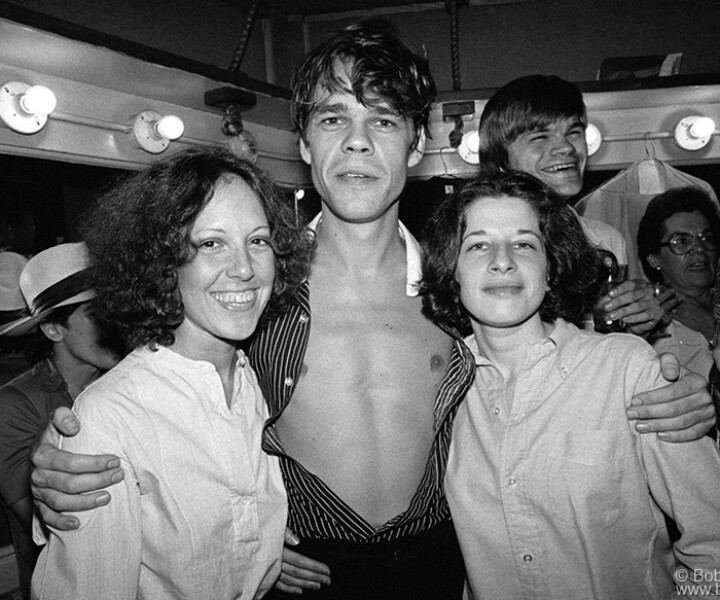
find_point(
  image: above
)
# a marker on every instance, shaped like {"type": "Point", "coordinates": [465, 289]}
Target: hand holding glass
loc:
{"type": "Point", "coordinates": [615, 275]}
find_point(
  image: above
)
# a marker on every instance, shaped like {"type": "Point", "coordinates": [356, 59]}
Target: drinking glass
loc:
{"type": "Point", "coordinates": [615, 274]}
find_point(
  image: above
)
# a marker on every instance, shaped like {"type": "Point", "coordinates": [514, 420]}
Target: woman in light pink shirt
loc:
{"type": "Point", "coordinates": [552, 492]}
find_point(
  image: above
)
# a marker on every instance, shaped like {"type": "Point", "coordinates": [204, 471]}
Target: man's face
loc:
{"type": "Point", "coordinates": [556, 154]}
{"type": "Point", "coordinates": [359, 155]}
{"type": "Point", "coordinates": [87, 341]}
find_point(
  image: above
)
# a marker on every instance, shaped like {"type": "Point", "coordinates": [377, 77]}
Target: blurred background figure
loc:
{"type": "Point", "coordinates": [13, 360]}
{"type": "Point", "coordinates": [678, 242]}
{"type": "Point", "coordinates": [17, 230]}
{"type": "Point", "coordinates": [69, 350]}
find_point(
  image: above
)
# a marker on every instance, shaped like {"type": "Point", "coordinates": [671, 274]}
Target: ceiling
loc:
{"type": "Point", "coordinates": [320, 10]}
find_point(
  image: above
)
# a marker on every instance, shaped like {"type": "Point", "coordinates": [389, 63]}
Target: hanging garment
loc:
{"type": "Point", "coordinates": [621, 201]}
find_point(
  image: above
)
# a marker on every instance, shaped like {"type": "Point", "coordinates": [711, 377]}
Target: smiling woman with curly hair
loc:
{"type": "Point", "coordinates": [189, 253]}
{"type": "Point", "coordinates": [138, 235]}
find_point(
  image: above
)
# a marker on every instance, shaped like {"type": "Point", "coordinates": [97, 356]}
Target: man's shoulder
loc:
{"type": "Point", "coordinates": [279, 325]}
{"type": "Point", "coordinates": [606, 236]}
{"type": "Point", "coordinates": [29, 383]}
{"type": "Point", "coordinates": [36, 391]}
{"type": "Point", "coordinates": [601, 228]}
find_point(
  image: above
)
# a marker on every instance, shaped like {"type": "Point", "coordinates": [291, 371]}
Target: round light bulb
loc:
{"type": "Point", "coordinates": [593, 138]}
{"type": "Point", "coordinates": [702, 127]}
{"type": "Point", "coordinates": [469, 147]}
{"type": "Point", "coordinates": [38, 100]}
{"type": "Point", "coordinates": [170, 127]}
{"type": "Point", "coordinates": [473, 141]}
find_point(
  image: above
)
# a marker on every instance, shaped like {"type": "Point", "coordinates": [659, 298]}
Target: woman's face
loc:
{"type": "Point", "coordinates": [228, 279]}
{"type": "Point", "coordinates": [502, 267]}
{"type": "Point", "coordinates": [692, 273]}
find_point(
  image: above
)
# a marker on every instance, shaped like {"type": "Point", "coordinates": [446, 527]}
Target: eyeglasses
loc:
{"type": "Point", "coordinates": [682, 243]}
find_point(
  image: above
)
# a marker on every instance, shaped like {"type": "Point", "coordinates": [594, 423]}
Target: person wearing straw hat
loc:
{"type": "Point", "coordinates": [72, 349]}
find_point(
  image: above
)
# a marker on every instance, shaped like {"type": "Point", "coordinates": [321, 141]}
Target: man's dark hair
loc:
{"type": "Point", "coordinates": [381, 67]}
{"type": "Point", "coordinates": [525, 104]}
{"type": "Point", "coordinates": [652, 225]}
{"type": "Point", "coordinates": [572, 263]}
{"type": "Point", "coordinates": [138, 236]}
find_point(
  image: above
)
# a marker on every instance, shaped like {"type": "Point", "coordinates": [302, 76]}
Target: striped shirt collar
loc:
{"type": "Point", "coordinates": [412, 255]}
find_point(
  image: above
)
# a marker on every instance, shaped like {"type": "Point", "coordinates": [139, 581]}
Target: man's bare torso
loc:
{"type": "Point", "coordinates": [361, 416]}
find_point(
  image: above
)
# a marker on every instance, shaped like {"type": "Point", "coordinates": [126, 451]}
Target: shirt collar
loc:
{"type": "Point", "coordinates": [412, 255]}
{"type": "Point", "coordinates": [562, 336]}
{"type": "Point", "coordinates": [49, 377]}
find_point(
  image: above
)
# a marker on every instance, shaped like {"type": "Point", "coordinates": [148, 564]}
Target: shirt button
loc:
{"type": "Point", "coordinates": [304, 318]}
{"type": "Point", "coordinates": [288, 381]}
{"type": "Point", "coordinates": [497, 410]}
{"type": "Point", "coordinates": [527, 558]}
{"type": "Point", "coordinates": [512, 481]}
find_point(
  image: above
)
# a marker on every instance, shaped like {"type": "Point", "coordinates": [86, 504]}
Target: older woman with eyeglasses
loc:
{"type": "Point", "coordinates": [678, 244]}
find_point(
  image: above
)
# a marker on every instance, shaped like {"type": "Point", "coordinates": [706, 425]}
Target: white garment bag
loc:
{"type": "Point", "coordinates": [621, 201]}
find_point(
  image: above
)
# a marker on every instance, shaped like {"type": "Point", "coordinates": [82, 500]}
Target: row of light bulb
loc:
{"type": "Point", "coordinates": [25, 109]}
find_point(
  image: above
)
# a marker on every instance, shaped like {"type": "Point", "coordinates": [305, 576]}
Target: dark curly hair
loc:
{"type": "Point", "coordinates": [382, 67]}
{"type": "Point", "coordinates": [138, 236]}
{"type": "Point", "coordinates": [573, 265]}
{"type": "Point", "coordinates": [651, 229]}
{"type": "Point", "coordinates": [525, 104]}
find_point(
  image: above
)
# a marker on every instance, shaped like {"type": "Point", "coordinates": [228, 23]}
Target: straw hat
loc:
{"type": "Point", "coordinates": [52, 278]}
{"type": "Point", "coordinates": [12, 303]}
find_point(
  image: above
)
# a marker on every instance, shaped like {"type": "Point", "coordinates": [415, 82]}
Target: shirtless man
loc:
{"type": "Point", "coordinates": [361, 387]}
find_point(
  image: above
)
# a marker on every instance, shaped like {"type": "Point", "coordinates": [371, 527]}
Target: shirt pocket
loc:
{"type": "Point", "coordinates": [582, 479]}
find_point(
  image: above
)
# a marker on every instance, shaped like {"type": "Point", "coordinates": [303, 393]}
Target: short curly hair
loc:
{"type": "Point", "coordinates": [138, 236]}
{"type": "Point", "coordinates": [652, 224]}
{"type": "Point", "coordinates": [383, 68]}
{"type": "Point", "coordinates": [524, 104]}
{"type": "Point", "coordinates": [573, 264]}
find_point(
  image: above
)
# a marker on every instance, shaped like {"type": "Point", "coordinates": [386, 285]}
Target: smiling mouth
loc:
{"type": "Point", "coordinates": [233, 300]}
{"type": "Point", "coordinates": [564, 168]}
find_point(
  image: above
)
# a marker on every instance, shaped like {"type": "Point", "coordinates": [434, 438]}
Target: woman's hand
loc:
{"type": "Point", "coordinates": [300, 572]}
